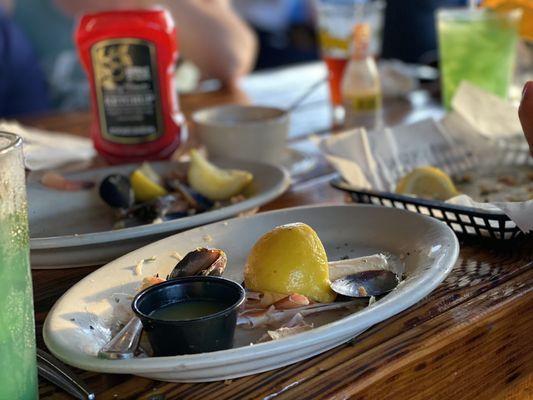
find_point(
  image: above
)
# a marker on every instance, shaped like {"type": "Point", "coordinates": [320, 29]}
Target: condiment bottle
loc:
{"type": "Point", "coordinates": [129, 57]}
{"type": "Point", "coordinates": [361, 86]}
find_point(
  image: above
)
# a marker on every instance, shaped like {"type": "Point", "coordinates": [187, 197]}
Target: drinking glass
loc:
{"type": "Point", "coordinates": [18, 370]}
{"type": "Point", "coordinates": [479, 46]}
{"type": "Point", "coordinates": [335, 22]}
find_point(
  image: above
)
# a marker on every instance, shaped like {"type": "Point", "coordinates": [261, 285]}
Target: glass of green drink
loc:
{"type": "Point", "coordinates": [479, 46]}
{"type": "Point", "coordinates": [18, 370]}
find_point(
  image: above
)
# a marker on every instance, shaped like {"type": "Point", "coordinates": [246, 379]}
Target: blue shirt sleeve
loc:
{"type": "Point", "coordinates": [23, 88]}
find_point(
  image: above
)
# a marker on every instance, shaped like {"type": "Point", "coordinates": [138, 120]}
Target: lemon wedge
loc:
{"type": "Point", "coordinates": [427, 182]}
{"type": "Point", "coordinates": [146, 183]}
{"type": "Point", "coordinates": [290, 259]}
{"type": "Point", "coordinates": [213, 182]}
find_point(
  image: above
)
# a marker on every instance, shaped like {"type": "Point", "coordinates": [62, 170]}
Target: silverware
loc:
{"type": "Point", "coordinates": [300, 99]}
{"type": "Point", "coordinates": [59, 374]}
{"type": "Point", "coordinates": [296, 103]}
{"type": "Point", "coordinates": [125, 342]}
{"type": "Point", "coordinates": [366, 283]}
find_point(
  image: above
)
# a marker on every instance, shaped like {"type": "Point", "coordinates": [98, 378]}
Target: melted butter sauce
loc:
{"type": "Point", "coordinates": [189, 309]}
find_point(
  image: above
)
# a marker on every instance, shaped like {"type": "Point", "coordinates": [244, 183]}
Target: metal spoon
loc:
{"type": "Point", "coordinates": [366, 283]}
{"type": "Point", "coordinates": [299, 100]}
{"type": "Point", "coordinates": [296, 103]}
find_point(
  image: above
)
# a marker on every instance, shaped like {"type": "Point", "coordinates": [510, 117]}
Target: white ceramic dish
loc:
{"type": "Point", "coordinates": [429, 246]}
{"type": "Point", "coordinates": [243, 132]}
{"type": "Point", "coordinates": [72, 229]}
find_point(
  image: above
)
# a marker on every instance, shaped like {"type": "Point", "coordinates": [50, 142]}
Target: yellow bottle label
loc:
{"type": "Point", "coordinates": [370, 102]}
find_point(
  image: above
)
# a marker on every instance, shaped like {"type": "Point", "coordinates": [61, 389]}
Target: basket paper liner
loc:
{"type": "Point", "coordinates": [378, 159]}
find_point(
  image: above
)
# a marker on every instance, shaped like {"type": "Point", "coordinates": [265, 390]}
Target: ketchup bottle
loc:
{"type": "Point", "coordinates": [130, 57]}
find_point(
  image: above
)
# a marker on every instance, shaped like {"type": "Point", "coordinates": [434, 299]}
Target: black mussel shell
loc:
{"type": "Point", "coordinates": [178, 208]}
{"type": "Point", "coordinates": [169, 216]}
{"type": "Point", "coordinates": [170, 206]}
{"type": "Point", "coordinates": [201, 261]}
{"type": "Point", "coordinates": [366, 283]}
{"type": "Point", "coordinates": [195, 199]}
{"type": "Point", "coordinates": [116, 191]}
{"type": "Point", "coordinates": [143, 212]}
{"type": "Point", "coordinates": [202, 202]}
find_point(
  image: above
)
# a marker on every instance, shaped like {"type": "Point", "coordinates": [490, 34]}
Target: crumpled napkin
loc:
{"type": "Point", "coordinates": [377, 160]}
{"type": "Point", "coordinates": [486, 113]}
{"type": "Point", "coordinates": [46, 150]}
{"type": "Point", "coordinates": [519, 212]}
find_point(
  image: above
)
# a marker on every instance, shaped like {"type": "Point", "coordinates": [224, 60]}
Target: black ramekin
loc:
{"type": "Point", "coordinates": [210, 333]}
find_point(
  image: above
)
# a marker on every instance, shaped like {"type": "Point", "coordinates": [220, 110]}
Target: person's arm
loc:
{"type": "Point", "coordinates": [211, 34]}
{"type": "Point", "coordinates": [23, 88]}
{"type": "Point", "coordinates": [525, 112]}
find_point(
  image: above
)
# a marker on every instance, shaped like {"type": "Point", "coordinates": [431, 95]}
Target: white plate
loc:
{"type": "Point", "coordinates": [71, 229]}
{"type": "Point", "coordinates": [429, 246]}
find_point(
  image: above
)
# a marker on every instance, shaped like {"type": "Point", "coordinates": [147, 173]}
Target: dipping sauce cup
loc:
{"type": "Point", "coordinates": [176, 332]}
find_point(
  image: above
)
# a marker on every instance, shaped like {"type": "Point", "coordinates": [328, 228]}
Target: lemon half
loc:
{"type": "Point", "coordinates": [427, 182]}
{"type": "Point", "coordinates": [290, 259]}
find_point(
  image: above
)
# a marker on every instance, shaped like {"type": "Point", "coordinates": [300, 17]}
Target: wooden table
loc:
{"type": "Point", "coordinates": [470, 339]}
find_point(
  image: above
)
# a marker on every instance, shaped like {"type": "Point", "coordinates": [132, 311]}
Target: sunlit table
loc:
{"type": "Point", "coordinates": [470, 339]}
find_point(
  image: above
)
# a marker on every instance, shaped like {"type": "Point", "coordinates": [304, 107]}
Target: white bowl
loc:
{"type": "Point", "coordinates": [252, 133]}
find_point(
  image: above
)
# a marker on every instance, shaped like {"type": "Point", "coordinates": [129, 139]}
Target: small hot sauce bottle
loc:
{"type": "Point", "coordinates": [361, 85]}
{"type": "Point", "coordinates": [130, 57]}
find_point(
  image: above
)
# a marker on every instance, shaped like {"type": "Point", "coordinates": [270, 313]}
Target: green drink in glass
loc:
{"type": "Point", "coordinates": [478, 46]}
{"type": "Point", "coordinates": [18, 370]}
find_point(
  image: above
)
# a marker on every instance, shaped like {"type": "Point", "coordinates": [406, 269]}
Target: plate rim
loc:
{"type": "Point", "coordinates": [361, 320]}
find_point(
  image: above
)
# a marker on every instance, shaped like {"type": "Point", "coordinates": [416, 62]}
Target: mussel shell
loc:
{"type": "Point", "coordinates": [170, 216]}
{"type": "Point", "coordinates": [201, 261]}
{"type": "Point", "coordinates": [173, 209]}
{"type": "Point", "coordinates": [170, 206]}
{"type": "Point", "coordinates": [195, 199]}
{"type": "Point", "coordinates": [116, 191]}
{"type": "Point", "coordinates": [366, 283]}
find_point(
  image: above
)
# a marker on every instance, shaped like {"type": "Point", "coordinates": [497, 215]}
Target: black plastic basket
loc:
{"type": "Point", "coordinates": [463, 220]}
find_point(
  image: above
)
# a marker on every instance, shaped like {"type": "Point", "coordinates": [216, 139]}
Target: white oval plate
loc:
{"type": "Point", "coordinates": [430, 249]}
{"type": "Point", "coordinates": [72, 229]}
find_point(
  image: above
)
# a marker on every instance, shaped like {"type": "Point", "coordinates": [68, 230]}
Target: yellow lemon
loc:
{"type": "Point", "coordinates": [427, 182]}
{"type": "Point", "coordinates": [213, 182]}
{"type": "Point", "coordinates": [290, 259]}
{"type": "Point", "coordinates": [145, 184]}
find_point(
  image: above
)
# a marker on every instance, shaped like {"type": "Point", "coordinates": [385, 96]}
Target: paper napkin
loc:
{"type": "Point", "coordinates": [46, 150]}
{"type": "Point", "coordinates": [486, 113]}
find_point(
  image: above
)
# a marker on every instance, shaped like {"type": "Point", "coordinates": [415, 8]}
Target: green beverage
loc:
{"type": "Point", "coordinates": [18, 371]}
{"type": "Point", "coordinates": [478, 46]}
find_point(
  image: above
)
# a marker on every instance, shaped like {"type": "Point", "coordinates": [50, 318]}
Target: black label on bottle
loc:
{"type": "Point", "coordinates": [127, 92]}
